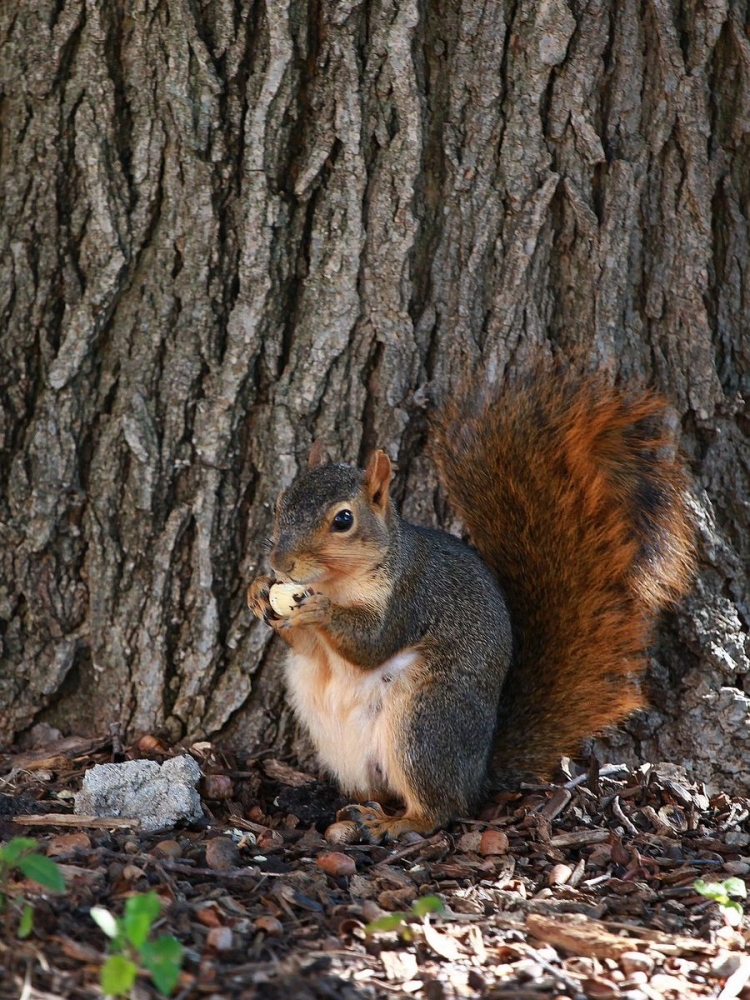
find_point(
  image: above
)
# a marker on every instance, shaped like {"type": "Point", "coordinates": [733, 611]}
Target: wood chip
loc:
{"type": "Point", "coordinates": [65, 843]}
{"type": "Point", "coordinates": [222, 854]}
{"type": "Point", "coordinates": [400, 966]}
{"type": "Point", "coordinates": [591, 937]}
{"type": "Point", "coordinates": [269, 925]}
{"type": "Point", "coordinates": [559, 874]}
{"type": "Point", "coordinates": [558, 801]}
{"type": "Point", "coordinates": [584, 938]}
{"type": "Point", "coordinates": [286, 775]}
{"type": "Point", "coordinates": [736, 982]}
{"type": "Point", "coordinates": [493, 842]}
{"type": "Point", "coordinates": [219, 939]}
{"type": "Point", "coordinates": [579, 838]}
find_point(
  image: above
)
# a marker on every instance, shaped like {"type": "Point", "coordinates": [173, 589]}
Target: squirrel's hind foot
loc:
{"type": "Point", "coordinates": [375, 826]}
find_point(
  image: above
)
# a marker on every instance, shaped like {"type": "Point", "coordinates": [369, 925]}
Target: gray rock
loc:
{"type": "Point", "coordinates": [157, 795]}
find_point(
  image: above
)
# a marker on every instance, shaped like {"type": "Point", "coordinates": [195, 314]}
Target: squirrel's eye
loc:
{"type": "Point", "coordinates": [342, 521]}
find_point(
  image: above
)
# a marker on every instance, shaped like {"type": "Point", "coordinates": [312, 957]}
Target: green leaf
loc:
{"type": "Point", "coordinates": [735, 887]}
{"type": "Point", "coordinates": [732, 913]}
{"type": "Point", "coordinates": [163, 958]}
{"type": "Point", "coordinates": [711, 890]}
{"type": "Point", "coordinates": [42, 870]}
{"type": "Point", "coordinates": [12, 851]}
{"type": "Point", "coordinates": [118, 975]}
{"type": "Point", "coordinates": [26, 923]}
{"type": "Point", "coordinates": [106, 921]}
{"type": "Point", "coordinates": [391, 922]}
{"type": "Point", "coordinates": [140, 913]}
{"type": "Point", "coordinates": [427, 904]}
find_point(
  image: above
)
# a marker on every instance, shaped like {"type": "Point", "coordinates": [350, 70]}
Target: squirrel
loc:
{"type": "Point", "coordinates": [434, 673]}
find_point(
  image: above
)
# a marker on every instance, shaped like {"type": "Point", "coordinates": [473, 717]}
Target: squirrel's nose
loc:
{"type": "Point", "coordinates": [282, 560]}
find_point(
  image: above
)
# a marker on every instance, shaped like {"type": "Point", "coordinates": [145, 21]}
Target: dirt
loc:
{"type": "Point", "coordinates": [584, 889]}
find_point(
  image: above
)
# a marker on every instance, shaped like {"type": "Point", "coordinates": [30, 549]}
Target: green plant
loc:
{"type": "Point", "coordinates": [398, 921]}
{"type": "Point", "coordinates": [22, 854]}
{"type": "Point", "coordinates": [721, 893]}
{"type": "Point", "coordinates": [129, 939]}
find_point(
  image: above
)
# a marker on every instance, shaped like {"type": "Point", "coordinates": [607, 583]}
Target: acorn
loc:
{"type": "Point", "coordinates": [342, 832]}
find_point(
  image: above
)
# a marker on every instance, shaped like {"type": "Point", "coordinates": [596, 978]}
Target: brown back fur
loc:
{"type": "Point", "coordinates": [572, 499]}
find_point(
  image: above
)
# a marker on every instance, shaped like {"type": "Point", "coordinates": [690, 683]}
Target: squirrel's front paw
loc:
{"type": "Point", "coordinates": [257, 597]}
{"type": "Point", "coordinates": [313, 609]}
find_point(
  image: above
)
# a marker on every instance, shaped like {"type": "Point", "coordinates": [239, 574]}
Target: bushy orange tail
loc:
{"type": "Point", "coordinates": [572, 495]}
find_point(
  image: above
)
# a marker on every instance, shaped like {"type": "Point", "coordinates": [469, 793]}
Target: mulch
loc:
{"type": "Point", "coordinates": [582, 890]}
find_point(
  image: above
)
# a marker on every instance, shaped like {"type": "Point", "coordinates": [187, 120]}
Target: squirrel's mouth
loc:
{"type": "Point", "coordinates": [300, 579]}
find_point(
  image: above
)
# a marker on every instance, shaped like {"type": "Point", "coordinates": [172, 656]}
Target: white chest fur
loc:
{"type": "Point", "coordinates": [352, 716]}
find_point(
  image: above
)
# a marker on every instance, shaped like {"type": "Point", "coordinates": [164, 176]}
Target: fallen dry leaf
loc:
{"type": "Point", "coordinates": [442, 944]}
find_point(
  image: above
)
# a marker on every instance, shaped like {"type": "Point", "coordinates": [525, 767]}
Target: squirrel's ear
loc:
{"type": "Point", "coordinates": [378, 478]}
{"type": "Point", "coordinates": [317, 454]}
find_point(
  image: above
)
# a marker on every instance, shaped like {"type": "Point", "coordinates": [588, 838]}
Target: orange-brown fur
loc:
{"type": "Point", "coordinates": [588, 534]}
{"type": "Point", "coordinates": [348, 576]}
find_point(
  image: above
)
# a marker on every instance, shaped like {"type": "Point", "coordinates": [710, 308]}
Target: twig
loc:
{"type": "Point", "coordinates": [114, 731]}
{"type": "Point", "coordinates": [560, 976]}
{"type": "Point", "coordinates": [617, 810]}
{"type": "Point", "coordinates": [404, 851]}
{"type": "Point", "coordinates": [605, 772]}
{"type": "Point", "coordinates": [65, 819]}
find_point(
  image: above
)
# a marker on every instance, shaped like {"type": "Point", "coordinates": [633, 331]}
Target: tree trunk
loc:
{"type": "Point", "coordinates": [231, 227]}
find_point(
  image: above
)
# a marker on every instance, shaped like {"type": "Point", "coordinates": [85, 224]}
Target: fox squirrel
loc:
{"type": "Point", "coordinates": [427, 674]}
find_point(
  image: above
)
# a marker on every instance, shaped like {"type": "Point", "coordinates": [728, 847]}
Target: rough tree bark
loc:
{"type": "Point", "coordinates": [231, 226]}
